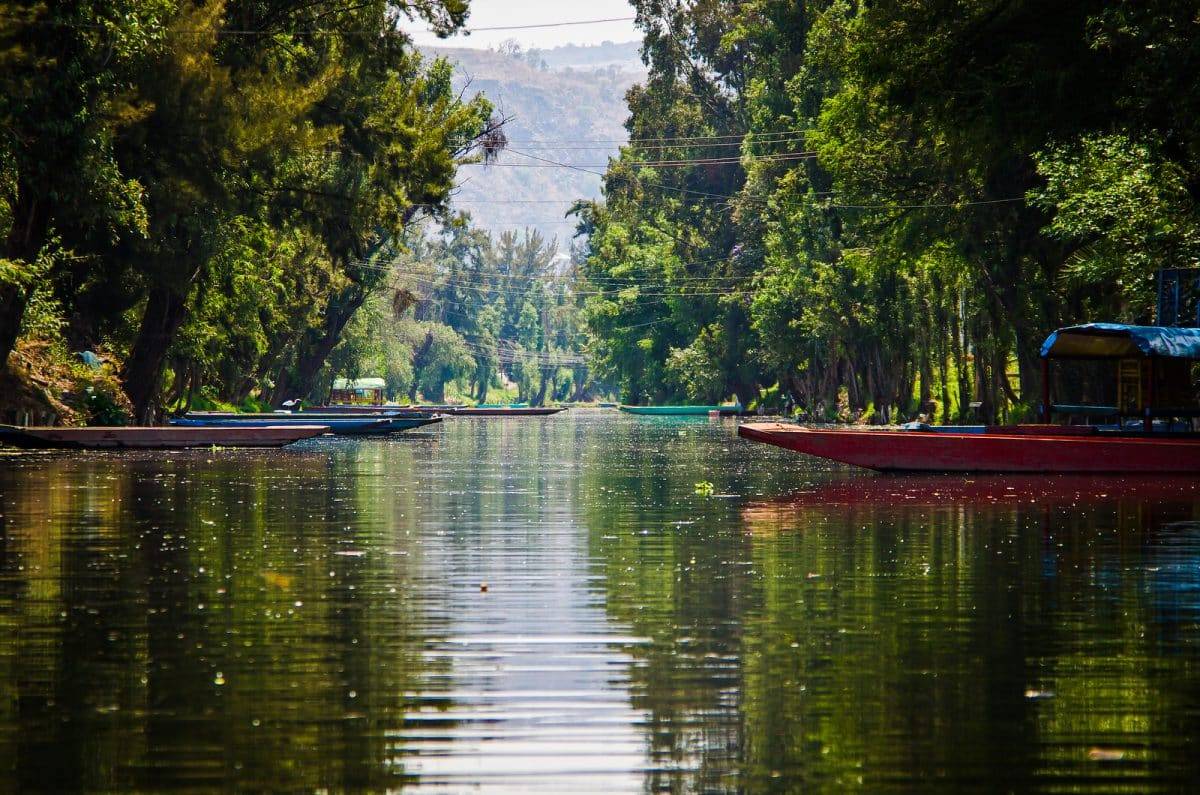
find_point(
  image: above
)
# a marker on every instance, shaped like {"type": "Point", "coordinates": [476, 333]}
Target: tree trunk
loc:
{"type": "Point", "coordinates": [165, 313]}
{"type": "Point", "coordinates": [314, 348]}
{"type": "Point", "coordinates": [419, 362]}
{"type": "Point", "coordinates": [24, 242]}
{"type": "Point", "coordinates": [540, 398]}
{"type": "Point", "coordinates": [926, 377]}
{"type": "Point", "coordinates": [12, 309]}
{"type": "Point", "coordinates": [580, 383]}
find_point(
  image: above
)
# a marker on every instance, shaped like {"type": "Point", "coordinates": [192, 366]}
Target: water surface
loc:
{"type": "Point", "coordinates": [589, 602]}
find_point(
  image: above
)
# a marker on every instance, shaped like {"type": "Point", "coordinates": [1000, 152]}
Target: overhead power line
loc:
{"type": "Point", "coordinates": [565, 24]}
{"type": "Point", "coordinates": [313, 30]}
{"type": "Point", "coordinates": [783, 157]}
{"type": "Point", "coordinates": [730, 137]}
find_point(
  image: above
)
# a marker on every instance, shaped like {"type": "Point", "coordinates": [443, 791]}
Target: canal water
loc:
{"type": "Point", "coordinates": [589, 602]}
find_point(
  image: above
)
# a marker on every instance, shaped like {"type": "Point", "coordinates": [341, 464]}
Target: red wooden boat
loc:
{"type": "Point", "coordinates": [1152, 365]}
{"type": "Point", "coordinates": [160, 438]}
{"type": "Point", "coordinates": [997, 450]}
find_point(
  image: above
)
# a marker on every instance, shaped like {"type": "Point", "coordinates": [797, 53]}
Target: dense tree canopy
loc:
{"type": "Point", "coordinates": [884, 207]}
{"type": "Point", "coordinates": [205, 189]}
{"type": "Point", "coordinates": [871, 210]}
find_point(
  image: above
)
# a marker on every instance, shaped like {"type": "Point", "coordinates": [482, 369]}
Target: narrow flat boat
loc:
{"type": "Point", "coordinates": [506, 411]}
{"type": "Point", "coordinates": [725, 410]}
{"type": "Point", "coordinates": [154, 438]}
{"type": "Point", "coordinates": [301, 416]}
{"type": "Point", "coordinates": [341, 426]}
{"type": "Point", "coordinates": [1152, 366]}
{"type": "Point", "coordinates": [338, 408]}
{"type": "Point", "coordinates": [994, 450]}
{"type": "Point", "coordinates": [346, 408]}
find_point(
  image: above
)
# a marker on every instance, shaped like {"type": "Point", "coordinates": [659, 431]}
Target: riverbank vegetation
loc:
{"type": "Point", "coordinates": [473, 318]}
{"type": "Point", "coordinates": [883, 208]}
{"type": "Point", "coordinates": [201, 193]}
{"type": "Point", "coordinates": [870, 211]}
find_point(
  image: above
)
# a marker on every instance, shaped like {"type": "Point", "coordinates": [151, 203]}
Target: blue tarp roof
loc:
{"type": "Point", "coordinates": [1118, 341]}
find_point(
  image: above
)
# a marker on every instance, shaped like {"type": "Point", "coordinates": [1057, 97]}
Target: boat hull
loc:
{"type": "Point", "coordinates": [401, 411]}
{"type": "Point", "coordinates": [681, 411]}
{"type": "Point", "coordinates": [476, 411]}
{"type": "Point", "coordinates": [301, 416]}
{"type": "Point", "coordinates": [916, 451]}
{"type": "Point", "coordinates": [154, 438]}
{"type": "Point", "coordinates": [452, 410]}
{"type": "Point", "coordinates": [360, 426]}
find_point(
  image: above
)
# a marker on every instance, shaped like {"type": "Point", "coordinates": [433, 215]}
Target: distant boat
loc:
{"type": "Point", "coordinates": [506, 411]}
{"type": "Point", "coordinates": [1153, 365]}
{"type": "Point", "coordinates": [155, 437]}
{"type": "Point", "coordinates": [300, 416]}
{"type": "Point", "coordinates": [337, 408]}
{"type": "Point", "coordinates": [347, 408]}
{"type": "Point", "coordinates": [342, 426]}
{"type": "Point", "coordinates": [725, 410]}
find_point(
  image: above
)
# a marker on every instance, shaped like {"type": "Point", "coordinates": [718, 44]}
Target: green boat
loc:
{"type": "Point", "coordinates": [727, 409]}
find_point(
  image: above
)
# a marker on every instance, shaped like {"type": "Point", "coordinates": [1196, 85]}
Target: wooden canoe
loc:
{"type": "Point", "coordinates": [402, 411]}
{"type": "Point", "coordinates": [505, 411]}
{"type": "Point", "coordinates": [342, 426]}
{"type": "Point", "coordinates": [160, 438]}
{"type": "Point", "coordinates": [683, 411]}
{"type": "Point", "coordinates": [992, 451]}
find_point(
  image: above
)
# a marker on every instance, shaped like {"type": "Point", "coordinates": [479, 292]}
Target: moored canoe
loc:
{"type": "Point", "coordinates": [993, 451]}
{"type": "Point", "coordinates": [159, 438]}
{"type": "Point", "coordinates": [683, 411]}
{"type": "Point", "coordinates": [305, 416]}
{"type": "Point", "coordinates": [343, 426]}
{"type": "Point", "coordinates": [337, 408]}
{"type": "Point", "coordinates": [480, 411]}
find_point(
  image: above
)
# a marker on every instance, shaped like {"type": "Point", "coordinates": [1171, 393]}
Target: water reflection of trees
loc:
{"type": "Point", "coordinates": [1024, 638]}
{"type": "Point", "coordinates": [199, 620]}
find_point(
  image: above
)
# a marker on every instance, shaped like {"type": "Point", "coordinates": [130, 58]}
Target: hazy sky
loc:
{"type": "Point", "coordinates": [492, 13]}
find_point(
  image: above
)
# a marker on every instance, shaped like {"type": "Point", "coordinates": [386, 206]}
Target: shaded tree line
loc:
{"type": "Point", "coordinates": [203, 190]}
{"type": "Point", "coordinates": [883, 208]}
{"type": "Point", "coordinates": [469, 312]}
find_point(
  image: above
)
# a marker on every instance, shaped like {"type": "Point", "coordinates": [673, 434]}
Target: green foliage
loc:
{"type": "Point", "coordinates": [225, 198]}
{"type": "Point", "coordinates": [1128, 211]}
{"type": "Point", "coordinates": [466, 313]}
{"type": "Point", "coordinates": [921, 192]}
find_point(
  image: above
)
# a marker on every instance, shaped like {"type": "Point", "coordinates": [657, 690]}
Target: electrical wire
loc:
{"type": "Point", "coordinates": [703, 161]}
{"type": "Point", "coordinates": [317, 30]}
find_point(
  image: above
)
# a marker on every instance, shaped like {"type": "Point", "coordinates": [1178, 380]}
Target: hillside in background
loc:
{"type": "Point", "coordinates": [565, 105]}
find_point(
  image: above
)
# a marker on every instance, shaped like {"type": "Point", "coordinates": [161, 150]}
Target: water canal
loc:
{"type": "Point", "coordinates": [589, 602]}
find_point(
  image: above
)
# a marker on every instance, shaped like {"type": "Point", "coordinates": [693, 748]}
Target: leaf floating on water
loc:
{"type": "Point", "coordinates": [1106, 754]}
{"type": "Point", "coordinates": [277, 580]}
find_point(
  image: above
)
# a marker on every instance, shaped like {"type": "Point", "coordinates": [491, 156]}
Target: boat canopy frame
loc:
{"type": "Point", "coordinates": [1117, 341]}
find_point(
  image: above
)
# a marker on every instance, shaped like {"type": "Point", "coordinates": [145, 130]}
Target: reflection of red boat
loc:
{"type": "Point", "coordinates": [994, 451]}
{"type": "Point", "coordinates": [924, 491]}
{"type": "Point", "coordinates": [1151, 499]}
